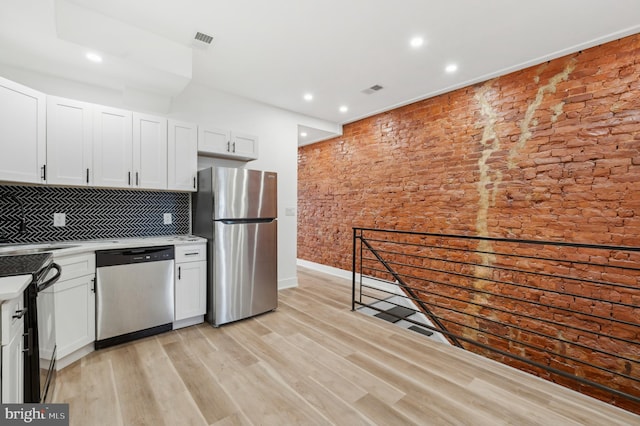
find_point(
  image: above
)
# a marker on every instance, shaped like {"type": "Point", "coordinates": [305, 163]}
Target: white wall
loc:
{"type": "Point", "coordinates": [276, 129]}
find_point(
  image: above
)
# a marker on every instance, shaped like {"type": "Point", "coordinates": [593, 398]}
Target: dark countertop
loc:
{"type": "Point", "coordinates": [28, 264]}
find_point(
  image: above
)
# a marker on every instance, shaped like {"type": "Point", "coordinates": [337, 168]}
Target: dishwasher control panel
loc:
{"type": "Point", "coordinates": [134, 255]}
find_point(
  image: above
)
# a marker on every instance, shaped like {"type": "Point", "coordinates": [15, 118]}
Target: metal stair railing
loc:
{"type": "Point", "coordinates": [567, 312]}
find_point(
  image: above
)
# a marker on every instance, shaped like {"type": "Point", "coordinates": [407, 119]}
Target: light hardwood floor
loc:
{"type": "Point", "coordinates": [312, 362]}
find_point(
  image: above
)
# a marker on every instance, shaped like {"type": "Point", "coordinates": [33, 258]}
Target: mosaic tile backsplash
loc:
{"type": "Point", "coordinates": [91, 213]}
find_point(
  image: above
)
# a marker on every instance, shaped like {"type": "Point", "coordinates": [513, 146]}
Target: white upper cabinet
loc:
{"type": "Point", "coordinates": [69, 142]}
{"type": "Point", "coordinates": [244, 146]}
{"type": "Point", "coordinates": [112, 147]}
{"type": "Point", "coordinates": [222, 143]}
{"type": "Point", "coordinates": [212, 140]}
{"type": "Point", "coordinates": [149, 151]}
{"type": "Point", "coordinates": [182, 156]}
{"type": "Point", "coordinates": [22, 133]}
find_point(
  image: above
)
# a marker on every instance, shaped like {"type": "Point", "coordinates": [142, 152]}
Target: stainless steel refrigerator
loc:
{"type": "Point", "coordinates": [236, 210]}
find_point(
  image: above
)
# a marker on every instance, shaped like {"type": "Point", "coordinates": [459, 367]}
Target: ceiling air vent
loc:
{"type": "Point", "coordinates": [372, 89]}
{"type": "Point", "coordinates": [202, 39]}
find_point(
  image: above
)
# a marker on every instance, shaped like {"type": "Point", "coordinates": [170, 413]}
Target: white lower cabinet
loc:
{"type": "Point", "coordinates": [190, 284]}
{"type": "Point", "coordinates": [75, 304]}
{"type": "Point", "coordinates": [12, 374]}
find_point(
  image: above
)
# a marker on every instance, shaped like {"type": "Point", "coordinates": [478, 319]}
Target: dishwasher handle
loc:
{"type": "Point", "coordinates": [134, 255]}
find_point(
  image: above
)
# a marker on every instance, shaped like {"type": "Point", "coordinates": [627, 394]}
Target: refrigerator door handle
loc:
{"type": "Point", "coordinates": [242, 221]}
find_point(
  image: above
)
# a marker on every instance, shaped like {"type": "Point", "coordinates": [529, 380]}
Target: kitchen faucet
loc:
{"type": "Point", "coordinates": [22, 223]}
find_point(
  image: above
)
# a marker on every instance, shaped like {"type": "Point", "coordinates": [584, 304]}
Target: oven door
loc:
{"type": "Point", "coordinates": [46, 343]}
{"type": "Point", "coordinates": [47, 334]}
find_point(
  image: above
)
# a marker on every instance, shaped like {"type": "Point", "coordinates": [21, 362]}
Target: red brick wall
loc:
{"type": "Point", "coordinates": [551, 152]}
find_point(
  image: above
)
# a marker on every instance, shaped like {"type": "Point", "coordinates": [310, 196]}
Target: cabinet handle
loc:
{"type": "Point", "coordinates": [195, 253]}
{"type": "Point", "coordinates": [228, 146]}
{"type": "Point", "coordinates": [137, 179]}
{"type": "Point", "coordinates": [129, 178]}
{"type": "Point", "coordinates": [87, 175]}
{"type": "Point", "coordinates": [194, 183]}
{"type": "Point", "coordinates": [179, 272]}
{"type": "Point", "coordinates": [19, 314]}
{"type": "Point", "coordinates": [43, 172]}
{"type": "Point", "coordinates": [234, 147]}
{"type": "Point", "coordinates": [93, 285]}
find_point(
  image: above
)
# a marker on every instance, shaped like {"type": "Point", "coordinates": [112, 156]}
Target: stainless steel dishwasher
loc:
{"type": "Point", "coordinates": [134, 293]}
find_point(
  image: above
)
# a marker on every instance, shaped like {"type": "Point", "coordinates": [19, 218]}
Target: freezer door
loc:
{"type": "Point", "coordinates": [245, 274]}
{"type": "Point", "coordinates": [244, 194]}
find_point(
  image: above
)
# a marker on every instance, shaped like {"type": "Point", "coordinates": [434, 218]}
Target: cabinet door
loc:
{"type": "Point", "coordinates": [69, 125]}
{"type": "Point", "coordinates": [13, 371]}
{"type": "Point", "coordinates": [182, 156]}
{"type": "Point", "coordinates": [190, 290]}
{"type": "Point", "coordinates": [244, 146]}
{"type": "Point", "coordinates": [112, 147]}
{"type": "Point", "coordinates": [212, 141]}
{"type": "Point", "coordinates": [12, 351]}
{"type": "Point", "coordinates": [75, 314]}
{"type": "Point", "coordinates": [22, 133]}
{"type": "Point", "coordinates": [149, 151]}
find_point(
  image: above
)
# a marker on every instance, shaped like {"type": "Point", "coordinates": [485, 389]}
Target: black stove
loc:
{"type": "Point", "coordinates": [26, 264]}
{"type": "Point", "coordinates": [39, 323]}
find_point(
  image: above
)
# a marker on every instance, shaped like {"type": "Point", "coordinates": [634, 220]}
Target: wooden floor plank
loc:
{"type": "Point", "coordinates": [312, 361]}
{"type": "Point", "coordinates": [294, 369]}
{"type": "Point", "coordinates": [211, 399]}
{"type": "Point", "coordinates": [133, 389]}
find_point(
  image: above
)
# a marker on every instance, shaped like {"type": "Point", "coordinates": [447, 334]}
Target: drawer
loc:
{"type": "Point", "coordinates": [75, 266]}
{"type": "Point", "coordinates": [191, 253]}
{"type": "Point", "coordinates": [10, 325]}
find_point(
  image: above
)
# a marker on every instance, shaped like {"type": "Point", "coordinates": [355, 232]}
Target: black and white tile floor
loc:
{"type": "Point", "coordinates": [398, 306]}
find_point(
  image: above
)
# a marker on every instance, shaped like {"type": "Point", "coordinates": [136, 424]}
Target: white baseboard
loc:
{"type": "Point", "coordinates": [325, 269]}
{"type": "Point", "coordinates": [74, 356]}
{"type": "Point", "coordinates": [348, 275]}
{"type": "Point", "coordinates": [187, 322]}
{"type": "Point", "coordinates": [288, 283]}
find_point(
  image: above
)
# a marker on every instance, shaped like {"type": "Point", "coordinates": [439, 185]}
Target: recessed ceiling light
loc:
{"type": "Point", "coordinates": [344, 108]}
{"type": "Point", "coordinates": [451, 68]}
{"type": "Point", "coordinates": [416, 42]}
{"type": "Point", "coordinates": [308, 97]}
{"type": "Point", "coordinates": [94, 57]}
{"type": "Point", "coordinates": [303, 134]}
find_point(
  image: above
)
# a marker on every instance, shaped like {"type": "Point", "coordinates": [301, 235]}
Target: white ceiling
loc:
{"type": "Point", "coordinates": [274, 51]}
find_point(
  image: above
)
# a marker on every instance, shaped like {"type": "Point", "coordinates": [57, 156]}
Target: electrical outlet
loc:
{"type": "Point", "coordinates": [168, 219]}
{"type": "Point", "coordinates": [59, 219]}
